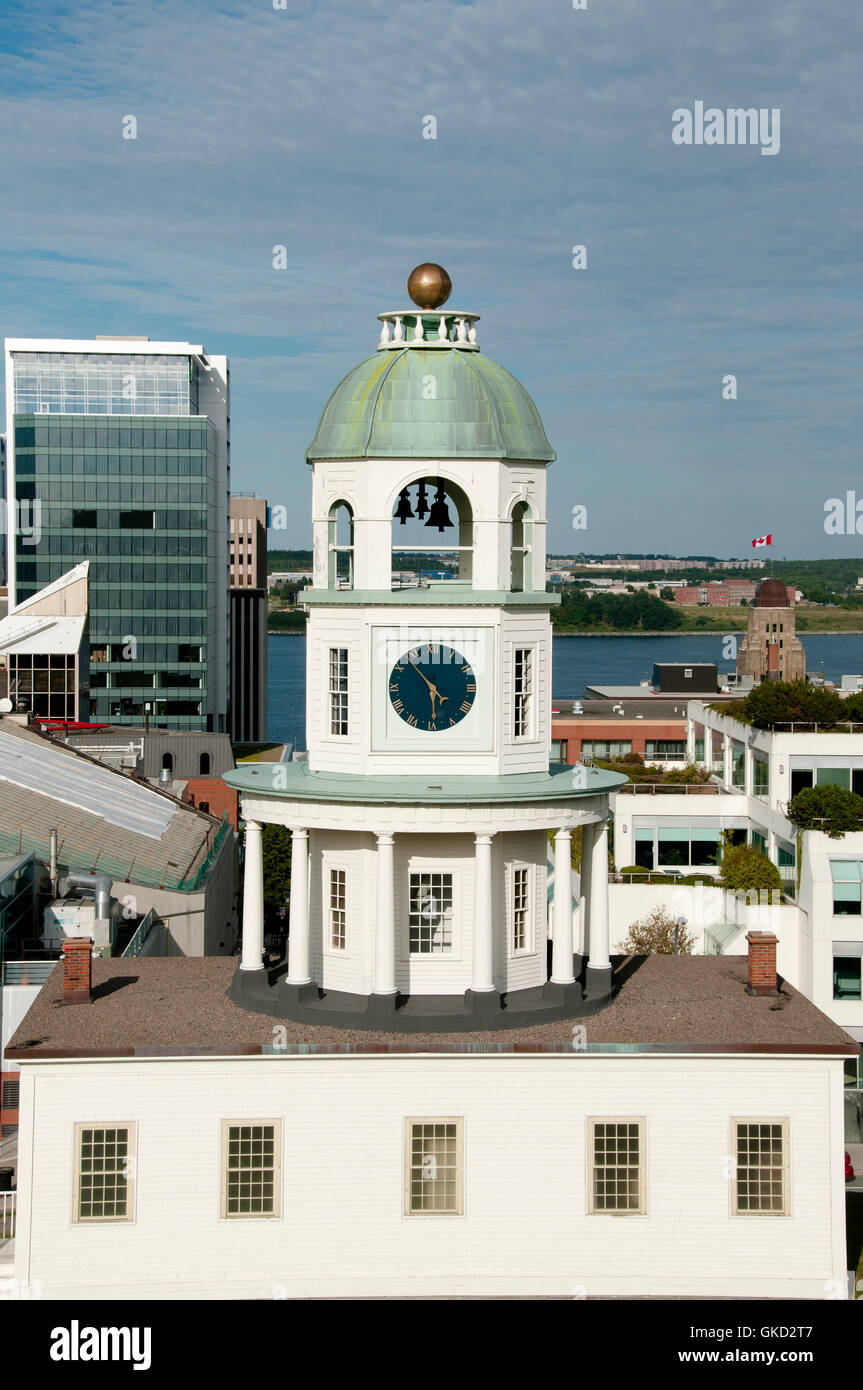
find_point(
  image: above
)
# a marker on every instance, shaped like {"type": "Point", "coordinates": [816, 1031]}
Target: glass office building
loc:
{"type": "Point", "coordinates": [119, 455]}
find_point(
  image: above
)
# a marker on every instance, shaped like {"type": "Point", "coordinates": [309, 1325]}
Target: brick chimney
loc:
{"type": "Point", "coordinates": [762, 962]}
{"type": "Point", "coordinates": [77, 970]}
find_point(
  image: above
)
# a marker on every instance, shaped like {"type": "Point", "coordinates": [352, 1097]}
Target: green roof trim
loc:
{"type": "Point", "coordinates": [290, 781]}
{"type": "Point", "coordinates": [449, 595]}
{"type": "Point", "coordinates": [383, 409]}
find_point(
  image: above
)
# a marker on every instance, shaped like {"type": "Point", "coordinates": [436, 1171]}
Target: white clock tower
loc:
{"type": "Point", "coordinates": [420, 820]}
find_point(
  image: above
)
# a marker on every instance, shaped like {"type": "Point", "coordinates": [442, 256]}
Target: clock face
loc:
{"type": "Point", "coordinates": [432, 687]}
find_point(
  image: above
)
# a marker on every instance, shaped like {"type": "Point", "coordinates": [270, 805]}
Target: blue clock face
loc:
{"type": "Point", "coordinates": [432, 687]}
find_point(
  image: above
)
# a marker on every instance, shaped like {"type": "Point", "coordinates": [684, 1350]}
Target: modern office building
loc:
{"type": "Point", "coordinates": [118, 453]}
{"type": "Point", "coordinates": [248, 574]}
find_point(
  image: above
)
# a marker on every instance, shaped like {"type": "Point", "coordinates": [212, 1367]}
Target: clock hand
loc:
{"type": "Point", "coordinates": [435, 693]}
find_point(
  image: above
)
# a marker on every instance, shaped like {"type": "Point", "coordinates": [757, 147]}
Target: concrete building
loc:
{"type": "Point", "coordinates": [771, 650]}
{"type": "Point", "coordinates": [720, 594]}
{"type": "Point", "coordinates": [249, 521]}
{"type": "Point", "coordinates": [118, 453]}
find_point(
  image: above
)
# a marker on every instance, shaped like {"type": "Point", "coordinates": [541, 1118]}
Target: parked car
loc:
{"type": "Point", "coordinates": [849, 1171]}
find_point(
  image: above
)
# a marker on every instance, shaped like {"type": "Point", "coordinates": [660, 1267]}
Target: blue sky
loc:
{"type": "Point", "coordinates": [303, 127]}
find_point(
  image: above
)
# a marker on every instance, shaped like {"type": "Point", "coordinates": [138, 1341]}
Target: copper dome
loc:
{"type": "Point", "coordinates": [771, 593]}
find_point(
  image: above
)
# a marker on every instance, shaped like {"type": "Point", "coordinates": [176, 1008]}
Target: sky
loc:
{"type": "Point", "coordinates": [302, 126]}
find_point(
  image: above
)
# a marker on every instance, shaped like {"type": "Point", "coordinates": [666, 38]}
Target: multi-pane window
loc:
{"type": "Point", "coordinates": [558, 750]}
{"type": "Point", "coordinates": [761, 1166]}
{"type": "Point", "coordinates": [430, 914]}
{"type": "Point", "coordinates": [338, 909]}
{"type": "Point", "coordinates": [434, 1163]}
{"type": "Point", "coordinates": [520, 909]}
{"type": "Point", "coordinates": [760, 778]}
{"type": "Point", "coordinates": [847, 876]}
{"type": "Point", "coordinates": [664, 749]}
{"type": "Point", "coordinates": [250, 1168]}
{"type": "Point", "coordinates": [617, 1166]}
{"type": "Point", "coordinates": [605, 748]}
{"type": "Point", "coordinates": [523, 692]}
{"type": "Point", "coordinates": [339, 691]}
{"type": "Point", "coordinates": [104, 1172]}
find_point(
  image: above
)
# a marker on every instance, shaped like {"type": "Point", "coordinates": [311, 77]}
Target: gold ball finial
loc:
{"type": "Point", "coordinates": [429, 286]}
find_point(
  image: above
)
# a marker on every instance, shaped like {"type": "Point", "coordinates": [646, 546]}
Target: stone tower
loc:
{"type": "Point", "coordinates": [771, 650]}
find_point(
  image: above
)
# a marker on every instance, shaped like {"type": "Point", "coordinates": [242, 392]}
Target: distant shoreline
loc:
{"type": "Point", "coordinates": [718, 633]}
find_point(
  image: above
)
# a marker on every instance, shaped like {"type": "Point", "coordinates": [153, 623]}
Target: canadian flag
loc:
{"type": "Point", "coordinates": [763, 540]}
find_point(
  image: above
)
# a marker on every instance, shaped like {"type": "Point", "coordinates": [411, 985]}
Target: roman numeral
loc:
{"type": "Point", "coordinates": [434, 648]}
{"type": "Point", "coordinates": [412, 720]}
{"type": "Point", "coordinates": [394, 686]}
{"type": "Point", "coordinates": [466, 670]}
{"type": "Point", "coordinates": [465, 708]}
{"type": "Point", "coordinates": [452, 721]}
{"type": "Point", "coordinates": [399, 669]}
{"type": "Point", "coordinates": [398, 706]}
{"type": "Point", "coordinates": [470, 688]}
{"type": "Point", "coordinates": [431, 724]}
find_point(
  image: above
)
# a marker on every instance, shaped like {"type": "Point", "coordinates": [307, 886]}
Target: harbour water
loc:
{"type": "Point", "coordinates": [578, 661]}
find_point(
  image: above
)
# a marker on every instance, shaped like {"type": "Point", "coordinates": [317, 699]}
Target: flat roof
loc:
{"type": "Point", "coordinates": [135, 347]}
{"type": "Point", "coordinates": [167, 1006]}
{"type": "Point", "coordinates": [295, 779]}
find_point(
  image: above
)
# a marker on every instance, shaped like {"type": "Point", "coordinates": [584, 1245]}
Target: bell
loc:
{"type": "Point", "coordinates": [422, 504]}
{"type": "Point", "coordinates": [403, 509]}
{"type": "Point", "coordinates": [439, 516]}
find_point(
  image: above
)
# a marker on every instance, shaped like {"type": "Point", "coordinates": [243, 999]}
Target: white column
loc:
{"type": "Point", "coordinates": [482, 976]}
{"type": "Point", "coordinates": [298, 934]}
{"type": "Point", "coordinates": [587, 836]}
{"type": "Point", "coordinates": [727, 759]}
{"type": "Point", "coordinates": [750, 774]}
{"type": "Point", "coordinates": [690, 740]}
{"type": "Point", "coordinates": [708, 748]}
{"type": "Point", "coordinates": [385, 931]}
{"type": "Point", "coordinates": [253, 899]}
{"type": "Point", "coordinates": [561, 957]}
{"type": "Point", "coordinates": [598, 901]}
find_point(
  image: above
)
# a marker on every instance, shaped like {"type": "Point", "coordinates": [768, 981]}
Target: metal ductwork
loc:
{"type": "Point", "coordinates": [98, 884]}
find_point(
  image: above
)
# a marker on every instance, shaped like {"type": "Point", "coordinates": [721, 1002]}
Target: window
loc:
{"type": "Point", "coordinates": [430, 914]}
{"type": "Point", "coordinates": [434, 1162]}
{"type": "Point", "coordinates": [644, 848]}
{"type": "Point", "coordinates": [339, 691]}
{"type": "Point", "coordinates": [801, 777]}
{"type": "Point", "coordinates": [251, 1168]}
{"type": "Point", "coordinates": [660, 749]}
{"type": "Point", "coordinates": [10, 1094]}
{"type": "Point", "coordinates": [604, 749]}
{"type": "Point", "coordinates": [761, 1166]}
{"type": "Point", "coordinates": [523, 690]}
{"type": "Point", "coordinates": [672, 846]}
{"type": "Point", "coordinates": [559, 750]}
{"type": "Point", "coordinates": [338, 909]}
{"type": "Point", "coordinates": [137, 521]}
{"type": "Point", "coordinates": [84, 519]}
{"type": "Point", "coordinates": [617, 1166]}
{"type": "Point", "coordinates": [760, 778]}
{"type": "Point", "coordinates": [847, 976]}
{"type": "Point", "coordinates": [847, 875]}
{"type": "Point", "coordinates": [520, 909]}
{"type": "Point", "coordinates": [167, 762]}
{"type": "Point", "coordinates": [104, 1172]}
{"type": "Point", "coordinates": [204, 765]}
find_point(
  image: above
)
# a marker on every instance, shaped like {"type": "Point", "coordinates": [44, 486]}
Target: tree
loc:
{"type": "Point", "coordinates": [276, 849]}
{"type": "Point", "coordinates": [744, 868]}
{"type": "Point", "coordinates": [667, 593]}
{"type": "Point", "coordinates": [791, 702]}
{"type": "Point", "coordinates": [653, 935]}
{"type": "Point", "coordinates": [833, 810]}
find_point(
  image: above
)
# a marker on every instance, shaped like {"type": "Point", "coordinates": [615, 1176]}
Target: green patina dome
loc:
{"type": "Point", "coordinates": [382, 409]}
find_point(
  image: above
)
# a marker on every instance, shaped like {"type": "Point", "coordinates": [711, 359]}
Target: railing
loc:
{"type": "Point", "coordinates": [142, 931]}
{"type": "Point", "coordinates": [668, 789]}
{"type": "Point", "coordinates": [8, 1209]}
{"type": "Point", "coordinates": [26, 972]}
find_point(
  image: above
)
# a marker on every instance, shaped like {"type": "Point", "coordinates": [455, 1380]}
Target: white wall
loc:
{"type": "Point", "coordinates": [525, 1227]}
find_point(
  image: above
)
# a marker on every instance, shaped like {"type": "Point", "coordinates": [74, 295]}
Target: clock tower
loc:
{"type": "Point", "coordinates": [420, 820]}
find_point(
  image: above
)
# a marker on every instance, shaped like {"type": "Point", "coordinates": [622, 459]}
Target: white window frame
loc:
{"type": "Point", "coordinates": [410, 1211]}
{"type": "Point", "coordinates": [524, 701]}
{"type": "Point", "coordinates": [275, 1214]}
{"type": "Point", "coordinates": [339, 700]}
{"type": "Point", "coordinates": [529, 910]}
{"type": "Point", "coordinates": [592, 1122]}
{"type": "Point", "coordinates": [761, 1214]}
{"type": "Point", "coordinates": [454, 952]}
{"type": "Point", "coordinates": [131, 1164]}
{"type": "Point", "coordinates": [330, 867]}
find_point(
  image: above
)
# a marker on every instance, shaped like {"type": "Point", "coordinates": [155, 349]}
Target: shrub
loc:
{"type": "Point", "coordinates": [790, 702]}
{"type": "Point", "coordinates": [653, 935]}
{"type": "Point", "coordinates": [744, 868]}
{"type": "Point", "coordinates": [834, 810]}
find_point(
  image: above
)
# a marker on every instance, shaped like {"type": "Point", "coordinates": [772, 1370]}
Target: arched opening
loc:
{"type": "Point", "coordinates": [340, 553]}
{"type": "Point", "coordinates": [432, 533]}
{"type": "Point", "coordinates": [167, 762]}
{"type": "Point", "coordinates": [521, 567]}
{"type": "Point", "coordinates": [204, 765]}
